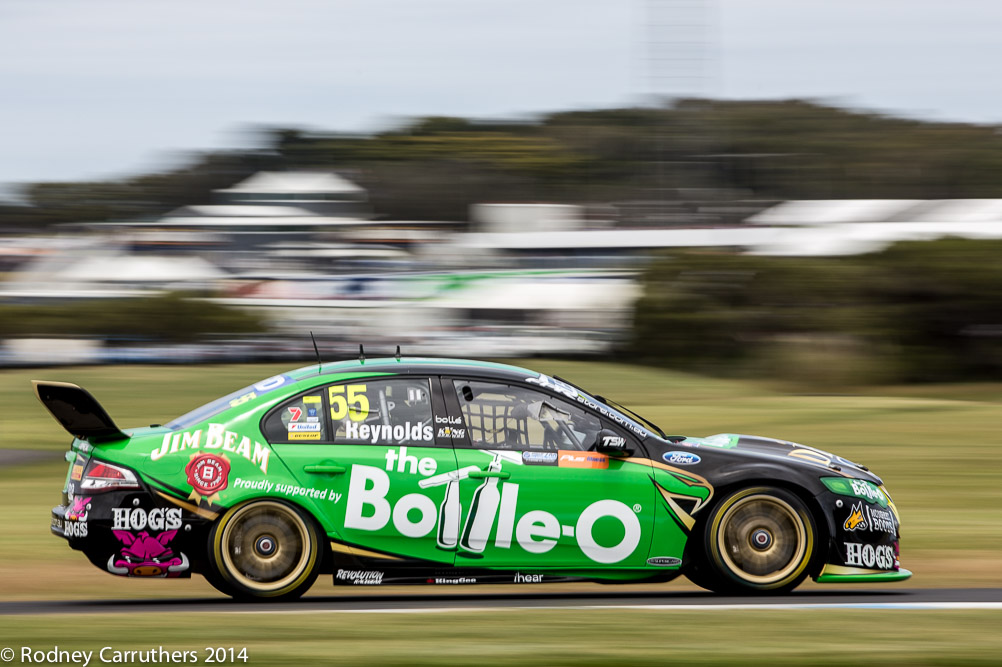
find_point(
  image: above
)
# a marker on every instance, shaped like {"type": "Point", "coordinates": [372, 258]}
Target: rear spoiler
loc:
{"type": "Point", "coordinates": [77, 411]}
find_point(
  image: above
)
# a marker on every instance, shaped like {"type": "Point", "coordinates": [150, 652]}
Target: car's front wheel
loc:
{"type": "Point", "coordinates": [757, 540]}
{"type": "Point", "coordinates": [264, 549]}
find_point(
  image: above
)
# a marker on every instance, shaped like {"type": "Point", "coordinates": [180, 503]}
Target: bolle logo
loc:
{"type": "Point", "coordinates": [866, 555]}
{"type": "Point", "coordinates": [416, 515]}
{"type": "Point", "coordinates": [855, 520]}
{"type": "Point", "coordinates": [681, 458]}
{"type": "Point", "coordinates": [136, 518]}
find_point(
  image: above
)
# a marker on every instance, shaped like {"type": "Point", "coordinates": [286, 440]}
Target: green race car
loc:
{"type": "Point", "coordinates": [436, 471]}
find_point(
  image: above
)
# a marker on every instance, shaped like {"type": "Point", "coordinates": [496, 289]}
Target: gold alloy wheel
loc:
{"type": "Point", "coordinates": [762, 539]}
{"type": "Point", "coordinates": [266, 547]}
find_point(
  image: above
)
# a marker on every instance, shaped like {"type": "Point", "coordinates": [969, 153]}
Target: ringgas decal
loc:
{"type": "Point", "coordinates": [536, 531]}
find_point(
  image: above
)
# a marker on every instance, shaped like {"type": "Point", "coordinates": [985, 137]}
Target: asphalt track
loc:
{"type": "Point", "coordinates": [917, 598]}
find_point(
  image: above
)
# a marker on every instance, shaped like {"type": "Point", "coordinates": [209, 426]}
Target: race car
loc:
{"type": "Point", "coordinates": [437, 471]}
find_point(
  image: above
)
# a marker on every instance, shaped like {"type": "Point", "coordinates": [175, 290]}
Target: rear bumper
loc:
{"type": "Point", "coordinates": [58, 525]}
{"type": "Point", "coordinates": [131, 533]}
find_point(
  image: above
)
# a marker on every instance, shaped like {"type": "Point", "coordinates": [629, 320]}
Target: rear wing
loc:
{"type": "Point", "coordinates": [77, 411]}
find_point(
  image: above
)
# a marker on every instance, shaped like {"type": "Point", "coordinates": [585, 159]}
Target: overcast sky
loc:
{"type": "Point", "coordinates": [104, 88]}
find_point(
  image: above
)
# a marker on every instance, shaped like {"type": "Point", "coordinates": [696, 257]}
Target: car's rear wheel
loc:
{"type": "Point", "coordinates": [757, 540]}
{"type": "Point", "coordinates": [264, 549]}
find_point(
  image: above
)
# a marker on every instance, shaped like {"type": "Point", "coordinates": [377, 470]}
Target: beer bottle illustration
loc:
{"type": "Point", "coordinates": [450, 509]}
{"type": "Point", "coordinates": [486, 499]}
{"type": "Point", "coordinates": [448, 516]}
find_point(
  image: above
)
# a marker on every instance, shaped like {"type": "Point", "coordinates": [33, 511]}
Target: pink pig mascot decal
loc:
{"type": "Point", "coordinates": [145, 555]}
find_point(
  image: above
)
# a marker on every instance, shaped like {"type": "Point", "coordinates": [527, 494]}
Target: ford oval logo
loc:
{"type": "Point", "coordinates": [681, 458]}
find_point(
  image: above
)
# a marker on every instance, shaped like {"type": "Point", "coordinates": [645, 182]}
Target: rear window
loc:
{"type": "Point", "coordinates": [210, 410]}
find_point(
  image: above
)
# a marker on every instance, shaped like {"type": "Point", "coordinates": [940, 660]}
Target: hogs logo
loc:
{"type": "Point", "coordinates": [208, 474]}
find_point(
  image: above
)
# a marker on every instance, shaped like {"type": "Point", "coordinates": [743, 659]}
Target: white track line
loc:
{"type": "Point", "coordinates": [653, 607]}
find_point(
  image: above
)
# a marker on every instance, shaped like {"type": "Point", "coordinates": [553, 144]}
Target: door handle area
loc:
{"type": "Point", "coordinates": [325, 469]}
{"type": "Point", "coordinates": [484, 474]}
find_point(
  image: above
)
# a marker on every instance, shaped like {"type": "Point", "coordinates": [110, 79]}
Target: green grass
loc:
{"type": "Point", "coordinates": [938, 448]}
{"type": "Point", "coordinates": [537, 637]}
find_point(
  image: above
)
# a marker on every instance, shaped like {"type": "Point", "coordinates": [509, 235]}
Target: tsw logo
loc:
{"type": "Point", "coordinates": [416, 515]}
{"type": "Point", "coordinates": [855, 521]}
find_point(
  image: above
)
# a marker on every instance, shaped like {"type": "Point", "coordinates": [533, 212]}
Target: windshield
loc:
{"type": "Point", "coordinates": [219, 405]}
{"type": "Point", "coordinates": [583, 397]}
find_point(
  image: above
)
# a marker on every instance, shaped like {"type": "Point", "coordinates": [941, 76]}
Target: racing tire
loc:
{"type": "Point", "coordinates": [757, 540]}
{"type": "Point", "coordinates": [264, 550]}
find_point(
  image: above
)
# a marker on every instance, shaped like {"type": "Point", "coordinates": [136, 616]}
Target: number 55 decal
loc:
{"type": "Point", "coordinates": [355, 397]}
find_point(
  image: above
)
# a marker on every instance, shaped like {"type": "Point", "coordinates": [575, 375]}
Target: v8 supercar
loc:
{"type": "Point", "coordinates": [434, 471]}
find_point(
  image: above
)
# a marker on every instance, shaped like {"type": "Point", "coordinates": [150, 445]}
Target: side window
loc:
{"type": "Point", "coordinates": [382, 412]}
{"type": "Point", "coordinates": [302, 418]}
{"type": "Point", "coordinates": [501, 416]}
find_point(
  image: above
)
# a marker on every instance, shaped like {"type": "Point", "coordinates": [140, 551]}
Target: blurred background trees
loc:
{"type": "Point", "coordinates": [171, 317]}
{"type": "Point", "coordinates": [434, 168]}
{"type": "Point", "coordinates": [918, 311]}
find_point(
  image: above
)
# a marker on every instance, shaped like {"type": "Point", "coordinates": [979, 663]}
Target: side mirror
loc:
{"type": "Point", "coordinates": [611, 443]}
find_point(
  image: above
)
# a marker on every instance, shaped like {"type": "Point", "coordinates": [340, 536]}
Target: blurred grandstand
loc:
{"type": "Point", "coordinates": [303, 251]}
